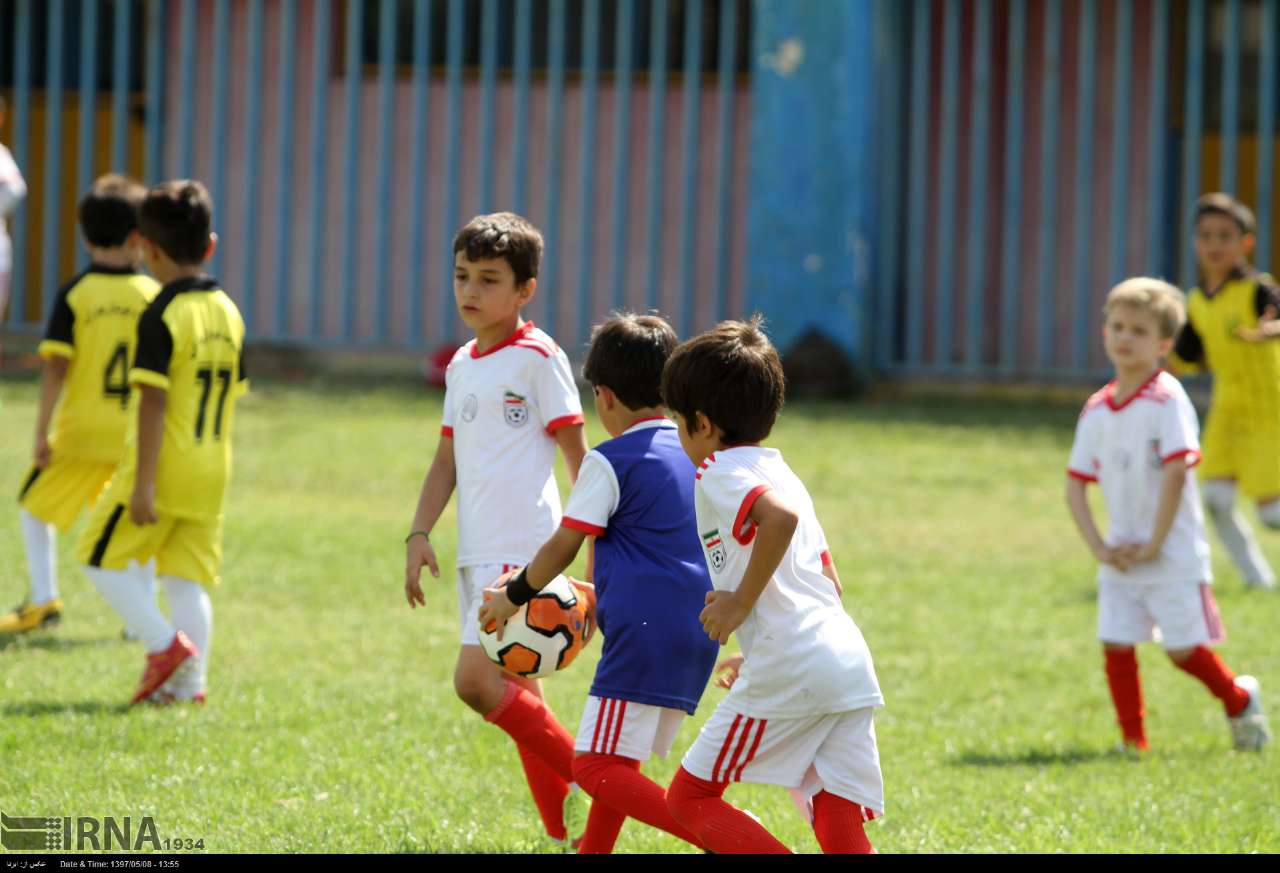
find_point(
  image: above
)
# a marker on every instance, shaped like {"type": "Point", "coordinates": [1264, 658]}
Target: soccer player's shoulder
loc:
{"type": "Point", "coordinates": [539, 342]}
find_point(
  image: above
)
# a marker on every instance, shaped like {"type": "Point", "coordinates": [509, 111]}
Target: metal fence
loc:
{"type": "Point", "coordinates": [1052, 148]}
{"type": "Point", "coordinates": [344, 142]}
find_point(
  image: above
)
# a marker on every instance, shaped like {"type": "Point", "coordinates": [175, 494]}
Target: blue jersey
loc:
{"type": "Point", "coordinates": [635, 495]}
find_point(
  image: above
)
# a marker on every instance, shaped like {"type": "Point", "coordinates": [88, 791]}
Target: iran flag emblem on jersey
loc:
{"type": "Point", "coordinates": [715, 548]}
{"type": "Point", "coordinates": [514, 408]}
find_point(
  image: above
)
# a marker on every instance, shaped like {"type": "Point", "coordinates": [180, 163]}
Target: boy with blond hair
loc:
{"type": "Point", "coordinates": [1138, 439]}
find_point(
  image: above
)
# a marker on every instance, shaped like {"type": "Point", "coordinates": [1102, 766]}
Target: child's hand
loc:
{"type": "Point", "coordinates": [1140, 553]}
{"type": "Point", "coordinates": [497, 608]}
{"type": "Point", "coordinates": [1268, 327]}
{"type": "Point", "coordinates": [418, 553]}
{"type": "Point", "coordinates": [722, 615]}
{"type": "Point", "coordinates": [1120, 557]}
{"type": "Point", "coordinates": [142, 506]}
{"type": "Point", "coordinates": [42, 454]}
{"type": "Point", "coordinates": [730, 666]}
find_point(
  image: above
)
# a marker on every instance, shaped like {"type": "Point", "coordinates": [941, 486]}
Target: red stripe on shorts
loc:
{"type": "Point", "coordinates": [737, 752]}
{"type": "Point", "coordinates": [595, 737]}
{"type": "Point", "coordinates": [1212, 617]}
{"type": "Point", "coordinates": [617, 731]}
{"type": "Point", "coordinates": [724, 750]}
{"type": "Point", "coordinates": [737, 777]}
{"type": "Point", "coordinates": [608, 727]}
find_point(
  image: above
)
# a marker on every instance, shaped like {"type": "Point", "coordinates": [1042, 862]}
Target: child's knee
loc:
{"type": "Point", "coordinates": [1269, 513]}
{"type": "Point", "coordinates": [1179, 656]}
{"type": "Point", "coordinates": [686, 792]}
{"type": "Point", "coordinates": [476, 688]}
{"type": "Point", "coordinates": [1220, 496]}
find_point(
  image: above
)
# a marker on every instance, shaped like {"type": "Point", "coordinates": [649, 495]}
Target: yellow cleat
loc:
{"type": "Point", "coordinates": [27, 617]}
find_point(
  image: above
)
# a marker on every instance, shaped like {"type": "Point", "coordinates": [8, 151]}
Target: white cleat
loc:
{"type": "Point", "coordinates": [1249, 729]}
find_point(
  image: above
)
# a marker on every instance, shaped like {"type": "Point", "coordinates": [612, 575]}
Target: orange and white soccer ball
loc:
{"type": "Point", "coordinates": [547, 633]}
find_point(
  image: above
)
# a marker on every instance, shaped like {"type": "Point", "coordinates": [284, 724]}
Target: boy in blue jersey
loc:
{"type": "Point", "coordinates": [634, 496]}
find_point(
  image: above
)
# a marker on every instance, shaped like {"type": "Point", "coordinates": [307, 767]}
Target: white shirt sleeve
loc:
{"type": "Point", "coordinates": [731, 492]}
{"type": "Point", "coordinates": [1083, 463]}
{"type": "Point", "coordinates": [1179, 431]}
{"type": "Point", "coordinates": [558, 402]}
{"type": "Point", "coordinates": [446, 423]}
{"type": "Point", "coordinates": [594, 497]}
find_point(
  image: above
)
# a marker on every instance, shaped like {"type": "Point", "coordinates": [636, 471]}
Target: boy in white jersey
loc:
{"type": "Point", "coordinates": [1138, 438]}
{"type": "Point", "coordinates": [510, 400]}
{"type": "Point", "coordinates": [803, 693]}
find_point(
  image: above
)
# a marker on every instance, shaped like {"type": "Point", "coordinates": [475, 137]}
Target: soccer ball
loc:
{"type": "Point", "coordinates": [547, 633]}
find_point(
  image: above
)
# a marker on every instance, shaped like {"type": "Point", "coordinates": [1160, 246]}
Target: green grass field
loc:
{"type": "Point", "coordinates": [332, 724]}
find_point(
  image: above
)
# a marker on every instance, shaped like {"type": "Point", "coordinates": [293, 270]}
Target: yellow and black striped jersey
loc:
{"type": "Point", "coordinates": [191, 344]}
{"type": "Point", "coordinates": [94, 323]}
{"type": "Point", "coordinates": [1243, 372]}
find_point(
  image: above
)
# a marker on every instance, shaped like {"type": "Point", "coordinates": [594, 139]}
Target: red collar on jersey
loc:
{"type": "Point", "coordinates": [521, 332]}
{"type": "Point", "coordinates": [1111, 391]}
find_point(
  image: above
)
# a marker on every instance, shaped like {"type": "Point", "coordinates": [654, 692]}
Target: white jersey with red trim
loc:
{"type": "Point", "coordinates": [502, 409]}
{"type": "Point", "coordinates": [803, 653]}
{"type": "Point", "coordinates": [1124, 447]}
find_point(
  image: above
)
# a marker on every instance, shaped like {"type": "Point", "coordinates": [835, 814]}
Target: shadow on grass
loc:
{"type": "Point", "coordinates": [53, 642]}
{"type": "Point", "coordinates": [84, 707]}
{"type": "Point", "coordinates": [1035, 757]}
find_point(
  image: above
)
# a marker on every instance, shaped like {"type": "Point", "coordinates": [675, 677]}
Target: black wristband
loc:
{"type": "Point", "coordinates": [519, 591]}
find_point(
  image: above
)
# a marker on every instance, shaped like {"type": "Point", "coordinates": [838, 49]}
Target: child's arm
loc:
{"type": "Point", "coordinates": [556, 554]}
{"type": "Point", "coordinates": [829, 570]}
{"type": "Point", "coordinates": [1083, 515]}
{"type": "Point", "coordinates": [438, 487]}
{"type": "Point", "coordinates": [53, 376]}
{"type": "Point", "coordinates": [142, 505]}
{"type": "Point", "coordinates": [775, 525]}
{"type": "Point", "coordinates": [1172, 482]}
{"type": "Point", "coordinates": [572, 439]}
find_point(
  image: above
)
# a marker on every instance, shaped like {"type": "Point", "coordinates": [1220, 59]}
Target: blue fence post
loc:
{"type": "Point", "coordinates": [1227, 159]}
{"type": "Point", "coordinates": [252, 143]}
{"type": "Point", "coordinates": [1158, 139]}
{"type": "Point", "coordinates": [453, 155]}
{"type": "Point", "coordinates": [555, 163]}
{"type": "Point", "coordinates": [1266, 138]}
{"type": "Point", "coordinates": [657, 147]}
{"type": "Point", "coordinates": [354, 81]}
{"type": "Point", "coordinates": [519, 143]}
{"type": "Point", "coordinates": [153, 165]}
{"type": "Point", "coordinates": [975, 260]}
{"type": "Point", "coordinates": [944, 326]}
{"type": "Point", "coordinates": [386, 117]}
{"type": "Point", "coordinates": [21, 154]}
{"type": "Point", "coordinates": [891, 75]}
{"type": "Point", "coordinates": [284, 169]}
{"type": "Point", "coordinates": [186, 88]}
{"type": "Point", "coordinates": [1082, 239]}
{"type": "Point", "coordinates": [417, 276]}
{"type": "Point", "coordinates": [621, 150]}
{"type": "Point", "coordinates": [488, 98]}
{"type": "Point", "coordinates": [724, 163]}
{"type": "Point", "coordinates": [53, 159]}
{"type": "Point", "coordinates": [1047, 242]}
{"type": "Point", "coordinates": [88, 104]}
{"type": "Point", "coordinates": [587, 156]}
{"type": "Point", "coordinates": [689, 187]}
{"type": "Point", "coordinates": [121, 87]}
{"type": "Point", "coordinates": [1120, 114]}
{"type": "Point", "coordinates": [218, 141]}
{"type": "Point", "coordinates": [813, 140]}
{"type": "Point", "coordinates": [319, 164]}
{"type": "Point", "coordinates": [1192, 128]}
{"type": "Point", "coordinates": [917, 177]}
{"type": "Point", "coordinates": [1011, 208]}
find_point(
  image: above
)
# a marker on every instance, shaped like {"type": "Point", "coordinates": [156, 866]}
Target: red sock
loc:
{"type": "Point", "coordinates": [548, 791]}
{"type": "Point", "coordinates": [1205, 665]}
{"type": "Point", "coordinates": [526, 718]}
{"type": "Point", "coordinates": [837, 822]}
{"type": "Point", "coordinates": [1126, 693]}
{"type": "Point", "coordinates": [616, 782]}
{"type": "Point", "coordinates": [604, 823]}
{"type": "Point", "coordinates": [721, 827]}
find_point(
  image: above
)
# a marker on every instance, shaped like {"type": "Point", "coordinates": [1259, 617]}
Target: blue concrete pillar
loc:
{"type": "Point", "coordinates": [813, 187]}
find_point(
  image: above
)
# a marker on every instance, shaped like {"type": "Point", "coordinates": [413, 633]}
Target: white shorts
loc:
{"type": "Point", "coordinates": [835, 752]}
{"type": "Point", "coordinates": [472, 581]}
{"type": "Point", "coordinates": [626, 728]}
{"type": "Point", "coordinates": [1179, 615]}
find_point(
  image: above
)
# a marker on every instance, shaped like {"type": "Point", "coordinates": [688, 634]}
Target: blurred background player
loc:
{"type": "Point", "coordinates": [1228, 315]}
{"type": "Point", "coordinates": [86, 349]}
{"type": "Point", "coordinates": [1138, 438]}
{"type": "Point", "coordinates": [634, 497]}
{"type": "Point", "coordinates": [12, 189]}
{"type": "Point", "coordinates": [166, 499]}
{"type": "Point", "coordinates": [803, 693]}
{"type": "Point", "coordinates": [510, 400]}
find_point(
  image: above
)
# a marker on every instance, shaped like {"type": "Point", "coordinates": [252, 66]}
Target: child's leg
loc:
{"type": "Point", "coordinates": [41, 540]}
{"type": "Point", "coordinates": [837, 823]}
{"type": "Point", "coordinates": [1204, 664]}
{"type": "Point", "coordinates": [134, 601]}
{"type": "Point", "coordinates": [603, 826]}
{"type": "Point", "coordinates": [1269, 512]}
{"type": "Point", "coordinates": [1235, 533]}
{"type": "Point", "coordinates": [616, 781]}
{"type": "Point", "coordinates": [1126, 692]}
{"type": "Point", "coordinates": [699, 805]}
{"type": "Point", "coordinates": [192, 613]}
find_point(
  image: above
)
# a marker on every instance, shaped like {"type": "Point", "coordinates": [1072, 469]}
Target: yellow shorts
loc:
{"type": "Point", "coordinates": [57, 494]}
{"type": "Point", "coordinates": [1244, 448]}
{"type": "Point", "coordinates": [189, 548]}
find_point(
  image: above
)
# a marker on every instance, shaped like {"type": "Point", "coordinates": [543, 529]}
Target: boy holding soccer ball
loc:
{"type": "Point", "coordinates": [802, 697]}
{"type": "Point", "coordinates": [1138, 438]}
{"type": "Point", "coordinates": [634, 496]}
{"type": "Point", "coordinates": [510, 400]}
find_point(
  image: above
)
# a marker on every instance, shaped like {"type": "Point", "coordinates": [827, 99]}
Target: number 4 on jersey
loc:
{"type": "Point", "coordinates": [115, 379]}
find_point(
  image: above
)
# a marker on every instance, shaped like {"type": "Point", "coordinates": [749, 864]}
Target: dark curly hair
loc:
{"type": "Point", "coordinates": [502, 235]}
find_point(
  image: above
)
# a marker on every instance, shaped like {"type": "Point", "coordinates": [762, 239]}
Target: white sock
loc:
{"type": "Point", "coordinates": [1235, 534]}
{"type": "Point", "coordinates": [42, 557]}
{"type": "Point", "coordinates": [192, 613]}
{"type": "Point", "coordinates": [1269, 514]}
{"type": "Point", "coordinates": [128, 595]}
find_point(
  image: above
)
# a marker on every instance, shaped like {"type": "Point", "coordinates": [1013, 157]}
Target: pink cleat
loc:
{"type": "Point", "coordinates": [161, 665]}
